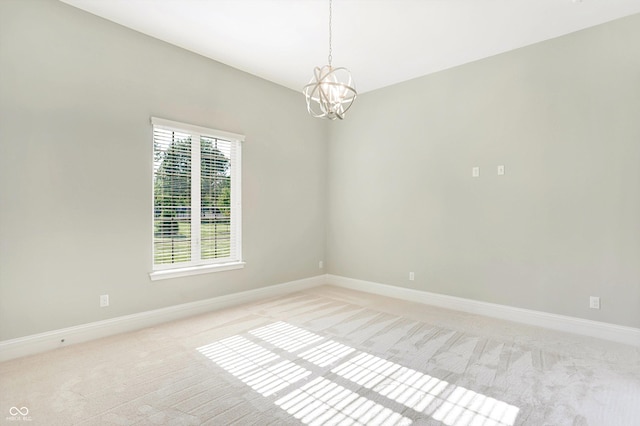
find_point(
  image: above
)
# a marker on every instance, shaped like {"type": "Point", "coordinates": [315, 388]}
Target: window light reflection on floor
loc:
{"type": "Point", "coordinates": [285, 336]}
{"type": "Point", "coordinates": [450, 404]}
{"type": "Point", "coordinates": [247, 361]}
{"type": "Point", "coordinates": [322, 401]}
{"type": "Point", "coordinates": [327, 353]}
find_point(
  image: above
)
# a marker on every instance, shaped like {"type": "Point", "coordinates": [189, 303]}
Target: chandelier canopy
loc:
{"type": "Point", "coordinates": [331, 91]}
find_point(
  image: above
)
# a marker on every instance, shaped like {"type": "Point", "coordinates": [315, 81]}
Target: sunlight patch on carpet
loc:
{"type": "Point", "coordinates": [326, 353]}
{"type": "Point", "coordinates": [453, 405]}
{"type": "Point", "coordinates": [247, 361]}
{"type": "Point", "coordinates": [285, 336]}
{"type": "Point", "coordinates": [323, 401]}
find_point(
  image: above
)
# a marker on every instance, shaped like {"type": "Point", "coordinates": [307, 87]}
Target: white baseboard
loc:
{"type": "Point", "coordinates": [601, 330]}
{"type": "Point", "coordinates": [29, 345]}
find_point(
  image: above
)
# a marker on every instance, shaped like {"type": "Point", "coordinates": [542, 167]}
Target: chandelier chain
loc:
{"type": "Point", "coordinates": [330, 16]}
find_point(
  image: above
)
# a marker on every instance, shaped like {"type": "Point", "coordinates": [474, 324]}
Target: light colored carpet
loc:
{"type": "Point", "coordinates": [329, 356]}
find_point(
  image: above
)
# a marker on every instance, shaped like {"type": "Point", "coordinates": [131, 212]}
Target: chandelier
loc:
{"type": "Point", "coordinates": [331, 91]}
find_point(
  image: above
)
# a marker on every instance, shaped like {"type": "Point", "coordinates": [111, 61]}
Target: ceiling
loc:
{"type": "Point", "coordinates": [382, 42]}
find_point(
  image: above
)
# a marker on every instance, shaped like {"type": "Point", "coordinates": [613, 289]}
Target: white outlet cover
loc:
{"type": "Point", "coordinates": [104, 300]}
{"type": "Point", "coordinates": [475, 171]}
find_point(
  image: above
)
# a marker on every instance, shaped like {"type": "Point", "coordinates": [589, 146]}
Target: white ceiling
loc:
{"type": "Point", "coordinates": [382, 42]}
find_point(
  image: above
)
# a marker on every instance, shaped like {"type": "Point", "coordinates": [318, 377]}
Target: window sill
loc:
{"type": "Point", "coordinates": [194, 270]}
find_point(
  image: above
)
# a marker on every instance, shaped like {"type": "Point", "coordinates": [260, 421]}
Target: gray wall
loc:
{"type": "Point", "coordinates": [393, 187]}
{"type": "Point", "coordinates": [76, 95]}
{"type": "Point", "coordinates": [561, 225]}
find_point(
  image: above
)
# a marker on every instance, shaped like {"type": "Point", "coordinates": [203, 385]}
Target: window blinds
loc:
{"type": "Point", "coordinates": [196, 184]}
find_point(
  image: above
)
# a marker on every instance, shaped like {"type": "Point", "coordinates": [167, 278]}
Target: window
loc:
{"type": "Point", "coordinates": [196, 200]}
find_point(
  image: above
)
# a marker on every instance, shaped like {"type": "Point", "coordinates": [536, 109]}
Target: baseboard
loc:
{"type": "Point", "coordinates": [29, 345]}
{"type": "Point", "coordinates": [601, 330]}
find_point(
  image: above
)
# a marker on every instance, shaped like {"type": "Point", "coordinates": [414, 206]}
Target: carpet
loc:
{"type": "Point", "coordinates": [329, 356]}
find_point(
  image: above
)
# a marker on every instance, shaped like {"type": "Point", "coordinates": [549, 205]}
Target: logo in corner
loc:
{"type": "Point", "coordinates": [19, 414]}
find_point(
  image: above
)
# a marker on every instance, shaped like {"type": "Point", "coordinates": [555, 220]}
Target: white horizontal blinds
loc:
{"type": "Point", "coordinates": [172, 154]}
{"type": "Point", "coordinates": [196, 195]}
{"type": "Point", "coordinates": [216, 194]}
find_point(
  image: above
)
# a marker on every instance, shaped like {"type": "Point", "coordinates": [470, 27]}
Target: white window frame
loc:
{"type": "Point", "coordinates": [199, 266]}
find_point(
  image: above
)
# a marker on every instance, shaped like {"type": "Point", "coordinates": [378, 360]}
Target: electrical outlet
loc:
{"type": "Point", "coordinates": [475, 172]}
{"type": "Point", "coordinates": [500, 170]}
{"type": "Point", "coordinates": [320, 264]}
{"type": "Point", "coordinates": [412, 276]}
{"type": "Point", "coordinates": [104, 300]}
{"type": "Point", "coordinates": [594, 302]}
